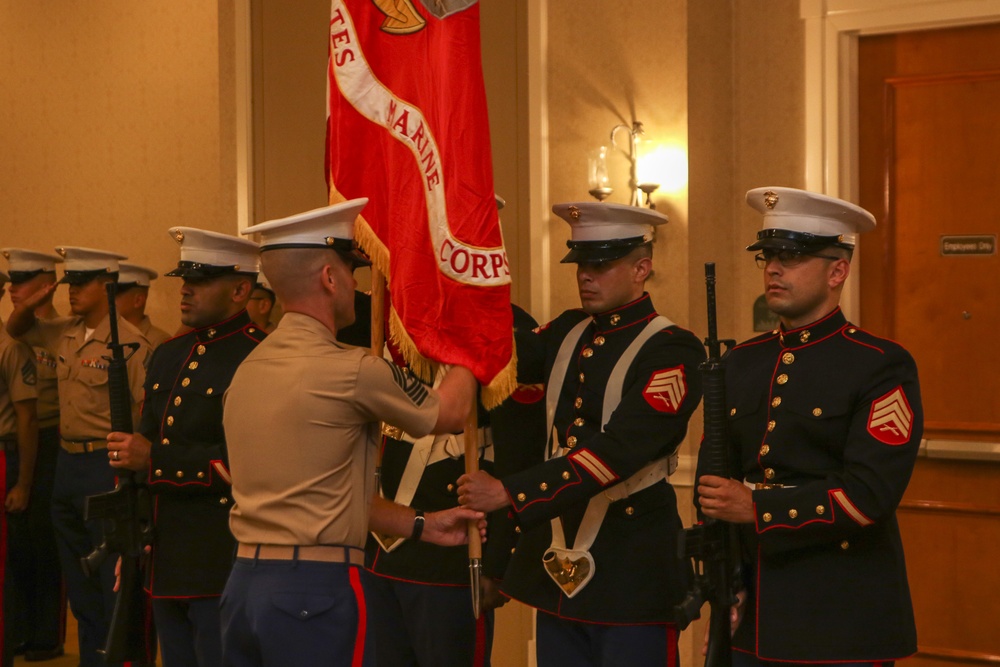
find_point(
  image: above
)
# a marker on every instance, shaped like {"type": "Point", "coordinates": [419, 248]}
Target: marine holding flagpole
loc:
{"type": "Point", "coordinates": [302, 418]}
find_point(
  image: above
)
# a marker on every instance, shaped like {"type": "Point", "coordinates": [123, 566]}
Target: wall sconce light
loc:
{"type": "Point", "coordinates": [641, 190]}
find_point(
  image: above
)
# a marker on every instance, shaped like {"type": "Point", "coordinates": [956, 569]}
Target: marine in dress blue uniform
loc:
{"type": "Point", "coordinates": [598, 549]}
{"type": "Point", "coordinates": [420, 595]}
{"type": "Point", "coordinates": [825, 421]}
{"type": "Point", "coordinates": [182, 446]}
{"type": "Point", "coordinates": [41, 615]}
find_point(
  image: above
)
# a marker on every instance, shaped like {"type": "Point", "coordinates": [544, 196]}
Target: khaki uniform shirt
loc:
{"type": "Point", "coordinates": [154, 334]}
{"type": "Point", "coordinates": [43, 338]}
{"type": "Point", "coordinates": [84, 404]}
{"type": "Point", "coordinates": [301, 420]}
{"type": "Point", "coordinates": [17, 381]}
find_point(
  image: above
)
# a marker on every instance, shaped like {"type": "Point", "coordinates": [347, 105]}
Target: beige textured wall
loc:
{"type": "Point", "coordinates": [112, 129]}
{"type": "Point", "coordinates": [610, 64]}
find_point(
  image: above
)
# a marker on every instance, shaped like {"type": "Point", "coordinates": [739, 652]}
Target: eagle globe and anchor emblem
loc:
{"type": "Point", "coordinates": [402, 17]}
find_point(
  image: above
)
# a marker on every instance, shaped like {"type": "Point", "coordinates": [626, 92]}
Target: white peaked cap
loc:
{"type": "Point", "coordinates": [129, 274]}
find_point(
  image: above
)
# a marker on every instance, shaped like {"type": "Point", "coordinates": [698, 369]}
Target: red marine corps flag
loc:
{"type": "Point", "coordinates": [407, 128]}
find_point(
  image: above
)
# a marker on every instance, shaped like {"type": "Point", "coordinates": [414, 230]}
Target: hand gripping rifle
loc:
{"type": "Point", "coordinates": [712, 545]}
{"type": "Point", "coordinates": [126, 513]}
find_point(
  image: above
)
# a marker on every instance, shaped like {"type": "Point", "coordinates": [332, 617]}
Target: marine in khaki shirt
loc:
{"type": "Point", "coordinates": [133, 291]}
{"type": "Point", "coordinates": [301, 418]}
{"type": "Point", "coordinates": [42, 615]}
{"type": "Point", "coordinates": [82, 468]}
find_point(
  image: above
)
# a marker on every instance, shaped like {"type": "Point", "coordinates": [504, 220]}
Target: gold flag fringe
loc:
{"type": "Point", "coordinates": [493, 394]}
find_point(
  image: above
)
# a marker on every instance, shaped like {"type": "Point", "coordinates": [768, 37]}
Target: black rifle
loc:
{"type": "Point", "coordinates": [126, 513]}
{"type": "Point", "coordinates": [712, 545]}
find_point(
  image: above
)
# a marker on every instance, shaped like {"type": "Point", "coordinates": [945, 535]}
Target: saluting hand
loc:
{"type": "Point", "coordinates": [481, 491]}
{"type": "Point", "coordinates": [725, 499]}
{"type": "Point", "coordinates": [128, 450]}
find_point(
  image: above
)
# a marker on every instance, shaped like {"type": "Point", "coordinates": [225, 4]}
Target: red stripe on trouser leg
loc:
{"type": "Point", "coordinates": [3, 543]}
{"type": "Point", "coordinates": [479, 656]}
{"type": "Point", "coordinates": [671, 646]}
{"type": "Point", "coordinates": [359, 640]}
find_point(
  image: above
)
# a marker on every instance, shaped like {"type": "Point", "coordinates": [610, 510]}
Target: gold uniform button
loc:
{"type": "Point", "coordinates": [766, 517]}
{"type": "Point", "coordinates": [599, 341]}
{"type": "Point", "coordinates": [565, 474]}
{"type": "Point", "coordinates": [630, 511]}
{"type": "Point", "coordinates": [788, 358]}
{"type": "Point", "coordinates": [764, 449]}
{"type": "Point", "coordinates": [158, 473]}
{"type": "Point", "coordinates": [209, 391]}
{"type": "Point", "coordinates": [521, 497]}
{"type": "Point", "coordinates": [581, 377]}
{"type": "Point", "coordinates": [450, 487]}
{"type": "Point", "coordinates": [170, 420]}
{"type": "Point", "coordinates": [180, 474]}
{"type": "Point", "coordinates": [211, 333]}
{"type": "Point", "coordinates": [820, 510]}
{"type": "Point", "coordinates": [571, 441]}
{"type": "Point", "coordinates": [177, 400]}
{"type": "Point", "coordinates": [201, 475]}
{"type": "Point", "coordinates": [845, 545]}
{"type": "Point", "coordinates": [782, 379]}
{"type": "Point", "coordinates": [770, 425]}
{"type": "Point", "coordinates": [156, 385]}
{"type": "Point", "coordinates": [793, 513]}
{"type": "Point", "coordinates": [513, 550]}
{"type": "Point", "coordinates": [223, 501]}
{"type": "Point", "coordinates": [804, 336]}
{"type": "Point", "coordinates": [776, 401]}
{"type": "Point", "coordinates": [769, 473]}
{"type": "Point", "coordinates": [165, 441]}
{"type": "Point", "coordinates": [517, 529]}
{"type": "Point", "coordinates": [251, 330]}
{"type": "Point", "coordinates": [185, 382]}
{"type": "Point", "coordinates": [852, 330]}
{"type": "Point", "coordinates": [732, 413]}
{"type": "Point", "coordinates": [615, 319]}
{"type": "Point", "coordinates": [193, 365]}
{"type": "Point", "coordinates": [578, 421]}
{"type": "Point", "coordinates": [201, 349]}
{"type": "Point", "coordinates": [817, 412]}
{"type": "Point", "coordinates": [588, 353]}
{"type": "Point", "coordinates": [578, 403]}
{"type": "Point", "coordinates": [543, 486]}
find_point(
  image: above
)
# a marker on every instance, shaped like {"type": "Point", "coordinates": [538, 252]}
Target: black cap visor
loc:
{"type": "Point", "coordinates": [84, 277]}
{"type": "Point", "coordinates": [18, 277]}
{"type": "Point", "coordinates": [199, 271]}
{"type": "Point", "coordinates": [803, 242]}
{"type": "Point", "coordinates": [596, 252]}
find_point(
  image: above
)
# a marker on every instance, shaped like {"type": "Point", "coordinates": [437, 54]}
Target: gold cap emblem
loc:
{"type": "Point", "coordinates": [179, 237]}
{"type": "Point", "coordinates": [574, 212]}
{"type": "Point", "coordinates": [770, 199]}
{"type": "Point", "coordinates": [61, 251]}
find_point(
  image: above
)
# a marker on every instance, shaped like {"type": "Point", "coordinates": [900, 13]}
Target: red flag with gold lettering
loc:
{"type": "Point", "coordinates": [408, 129]}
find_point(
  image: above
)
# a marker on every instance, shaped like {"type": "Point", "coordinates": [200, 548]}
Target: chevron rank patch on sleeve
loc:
{"type": "Point", "coordinates": [666, 389]}
{"type": "Point", "coordinates": [891, 418]}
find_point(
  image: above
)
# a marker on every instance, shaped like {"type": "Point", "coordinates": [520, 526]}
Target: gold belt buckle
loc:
{"type": "Point", "coordinates": [390, 431]}
{"type": "Point", "coordinates": [764, 487]}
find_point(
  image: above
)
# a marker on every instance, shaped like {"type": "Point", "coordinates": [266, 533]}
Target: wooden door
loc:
{"type": "Point", "coordinates": [930, 278]}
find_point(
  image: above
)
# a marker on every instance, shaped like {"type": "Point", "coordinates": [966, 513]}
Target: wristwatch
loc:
{"type": "Point", "coordinates": [418, 526]}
